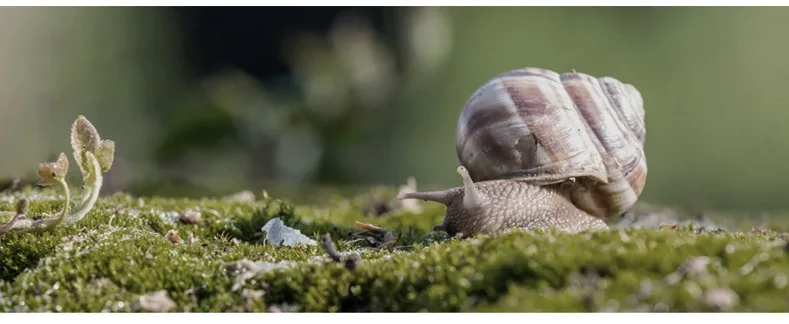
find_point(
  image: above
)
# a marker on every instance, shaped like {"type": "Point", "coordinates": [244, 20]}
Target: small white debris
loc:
{"type": "Point", "coordinates": [410, 205]}
{"type": "Point", "coordinates": [252, 294]}
{"type": "Point", "coordinates": [696, 266]}
{"type": "Point", "coordinates": [157, 302]}
{"type": "Point", "coordinates": [243, 196]}
{"type": "Point", "coordinates": [780, 281]}
{"type": "Point", "coordinates": [247, 269]}
{"type": "Point", "coordinates": [71, 240]}
{"type": "Point", "coordinates": [279, 234]}
{"type": "Point", "coordinates": [191, 217]}
{"type": "Point", "coordinates": [722, 299]}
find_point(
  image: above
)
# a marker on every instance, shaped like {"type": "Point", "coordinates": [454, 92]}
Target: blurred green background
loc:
{"type": "Point", "coordinates": [373, 96]}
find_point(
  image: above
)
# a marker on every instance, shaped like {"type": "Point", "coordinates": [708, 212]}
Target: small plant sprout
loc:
{"type": "Point", "coordinates": [94, 157]}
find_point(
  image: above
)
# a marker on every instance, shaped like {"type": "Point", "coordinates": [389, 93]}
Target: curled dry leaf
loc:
{"type": "Point", "coordinates": [173, 236]}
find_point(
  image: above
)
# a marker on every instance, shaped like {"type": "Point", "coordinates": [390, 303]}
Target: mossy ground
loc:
{"type": "Point", "coordinates": [119, 253]}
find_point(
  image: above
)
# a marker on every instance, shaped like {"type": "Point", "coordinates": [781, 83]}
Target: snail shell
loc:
{"type": "Point", "coordinates": [581, 133]}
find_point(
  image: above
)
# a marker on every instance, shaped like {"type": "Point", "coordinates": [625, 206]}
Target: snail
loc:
{"type": "Point", "coordinates": [541, 150]}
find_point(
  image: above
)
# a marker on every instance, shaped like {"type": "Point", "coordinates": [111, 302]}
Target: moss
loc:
{"type": "Point", "coordinates": [119, 252]}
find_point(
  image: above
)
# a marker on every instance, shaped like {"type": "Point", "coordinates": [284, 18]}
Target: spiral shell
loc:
{"type": "Point", "coordinates": [585, 134]}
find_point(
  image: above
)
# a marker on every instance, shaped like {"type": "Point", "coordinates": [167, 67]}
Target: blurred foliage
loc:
{"type": "Point", "coordinates": [368, 105]}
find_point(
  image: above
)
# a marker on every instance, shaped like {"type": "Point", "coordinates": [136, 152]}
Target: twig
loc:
{"type": "Point", "coordinates": [350, 262]}
{"type": "Point", "coordinates": [330, 249]}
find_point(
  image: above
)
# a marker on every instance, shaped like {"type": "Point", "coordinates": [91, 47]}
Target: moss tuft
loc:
{"type": "Point", "coordinates": [119, 253]}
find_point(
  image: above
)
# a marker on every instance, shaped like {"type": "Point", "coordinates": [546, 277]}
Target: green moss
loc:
{"type": "Point", "coordinates": [119, 252]}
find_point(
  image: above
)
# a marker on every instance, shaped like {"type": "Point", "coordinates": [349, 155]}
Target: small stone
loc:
{"type": "Point", "coordinates": [721, 299]}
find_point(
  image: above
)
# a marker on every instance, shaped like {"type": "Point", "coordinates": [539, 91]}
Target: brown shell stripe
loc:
{"type": "Point", "coordinates": [474, 135]}
{"type": "Point", "coordinates": [536, 100]}
{"type": "Point", "coordinates": [600, 115]}
{"type": "Point", "coordinates": [621, 100]}
{"type": "Point", "coordinates": [603, 122]}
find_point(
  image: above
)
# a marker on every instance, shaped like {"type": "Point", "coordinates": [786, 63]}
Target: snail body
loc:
{"type": "Point", "coordinates": [540, 149]}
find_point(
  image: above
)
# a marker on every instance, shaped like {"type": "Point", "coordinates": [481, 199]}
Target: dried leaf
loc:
{"type": "Point", "coordinates": [385, 236]}
{"type": "Point", "coordinates": [49, 171]}
{"type": "Point", "coordinates": [173, 237]}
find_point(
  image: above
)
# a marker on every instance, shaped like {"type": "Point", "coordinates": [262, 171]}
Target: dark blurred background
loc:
{"type": "Point", "coordinates": [210, 101]}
